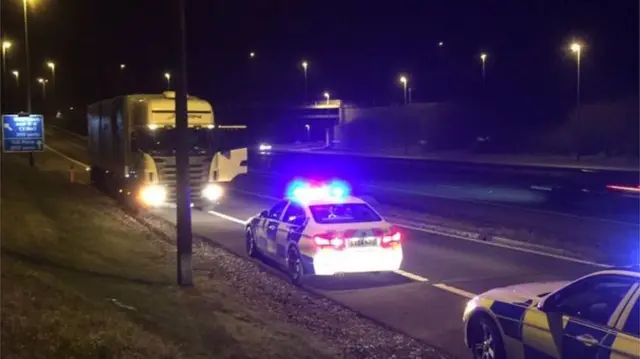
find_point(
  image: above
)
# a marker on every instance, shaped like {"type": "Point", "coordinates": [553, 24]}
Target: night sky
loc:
{"type": "Point", "coordinates": [356, 49]}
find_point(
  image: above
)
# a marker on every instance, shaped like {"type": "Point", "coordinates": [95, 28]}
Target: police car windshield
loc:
{"type": "Point", "coordinates": [343, 213]}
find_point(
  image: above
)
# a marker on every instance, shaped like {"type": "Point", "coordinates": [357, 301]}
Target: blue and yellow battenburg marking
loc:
{"type": "Point", "coordinates": [523, 323]}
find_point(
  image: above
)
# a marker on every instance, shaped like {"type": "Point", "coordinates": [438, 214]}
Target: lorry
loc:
{"type": "Point", "coordinates": [132, 142]}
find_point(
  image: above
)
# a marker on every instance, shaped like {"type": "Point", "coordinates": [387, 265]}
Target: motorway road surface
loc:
{"type": "Point", "coordinates": [426, 298]}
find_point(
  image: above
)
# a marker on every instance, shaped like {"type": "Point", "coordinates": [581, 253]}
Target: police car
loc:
{"type": "Point", "coordinates": [596, 316]}
{"type": "Point", "coordinates": [322, 230]}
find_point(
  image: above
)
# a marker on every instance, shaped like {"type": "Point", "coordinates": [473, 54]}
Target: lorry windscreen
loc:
{"type": "Point", "coordinates": [166, 140]}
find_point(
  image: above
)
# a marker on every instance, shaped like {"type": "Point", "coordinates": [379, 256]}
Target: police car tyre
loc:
{"type": "Point", "coordinates": [485, 339]}
{"type": "Point", "coordinates": [294, 266]}
{"type": "Point", "coordinates": [250, 247]}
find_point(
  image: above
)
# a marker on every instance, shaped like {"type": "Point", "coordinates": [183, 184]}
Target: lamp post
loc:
{"type": "Point", "coordinates": [327, 96]}
{"type": "Point", "coordinates": [576, 48]}
{"type": "Point", "coordinates": [6, 45]}
{"type": "Point", "coordinates": [305, 66]}
{"type": "Point", "coordinates": [43, 82]}
{"type": "Point", "coordinates": [404, 80]}
{"type": "Point", "coordinates": [308, 127]}
{"type": "Point", "coordinates": [483, 58]}
{"type": "Point", "coordinates": [168, 77]}
{"type": "Point", "coordinates": [16, 74]}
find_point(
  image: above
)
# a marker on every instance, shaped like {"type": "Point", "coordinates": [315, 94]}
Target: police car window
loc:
{"type": "Point", "coordinates": [593, 299]}
{"type": "Point", "coordinates": [632, 326]}
{"type": "Point", "coordinates": [276, 211]}
{"type": "Point", "coordinates": [294, 214]}
{"type": "Point", "coordinates": [343, 213]}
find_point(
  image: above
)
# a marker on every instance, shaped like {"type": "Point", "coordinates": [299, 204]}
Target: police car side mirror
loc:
{"type": "Point", "coordinates": [264, 214]}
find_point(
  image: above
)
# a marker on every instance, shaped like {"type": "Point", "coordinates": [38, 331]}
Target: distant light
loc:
{"type": "Point", "coordinates": [576, 47]}
{"type": "Point", "coordinates": [122, 66]}
{"type": "Point", "coordinates": [6, 44]}
{"type": "Point", "coordinates": [71, 108]}
{"type": "Point", "coordinates": [264, 147]}
{"type": "Point", "coordinates": [305, 65]}
{"type": "Point", "coordinates": [483, 56]}
{"type": "Point", "coordinates": [167, 75]}
{"type": "Point", "coordinates": [152, 126]}
{"type": "Point", "coordinates": [252, 54]}
{"type": "Point", "coordinates": [403, 79]}
{"type": "Point", "coordinates": [41, 80]}
{"type": "Point", "coordinates": [308, 126]}
{"type": "Point", "coordinates": [210, 127]}
{"type": "Point", "coordinates": [15, 73]}
{"type": "Point", "coordinates": [441, 44]}
{"type": "Point", "coordinates": [326, 95]}
{"type": "Point", "coordinates": [51, 65]}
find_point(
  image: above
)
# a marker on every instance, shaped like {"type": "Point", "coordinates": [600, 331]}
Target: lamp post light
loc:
{"type": "Point", "coordinates": [6, 45]}
{"type": "Point", "coordinates": [122, 66]}
{"type": "Point", "coordinates": [16, 74]}
{"type": "Point", "coordinates": [305, 66]}
{"type": "Point", "coordinates": [168, 77]}
{"type": "Point", "coordinates": [252, 55]}
{"type": "Point", "coordinates": [43, 82]}
{"type": "Point", "coordinates": [483, 58]}
{"type": "Point", "coordinates": [327, 96]}
{"type": "Point", "coordinates": [404, 81]}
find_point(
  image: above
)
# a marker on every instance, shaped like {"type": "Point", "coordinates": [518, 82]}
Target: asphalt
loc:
{"type": "Point", "coordinates": [426, 300]}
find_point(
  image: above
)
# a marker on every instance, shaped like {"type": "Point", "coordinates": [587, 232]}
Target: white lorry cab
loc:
{"type": "Point", "coordinates": [132, 143]}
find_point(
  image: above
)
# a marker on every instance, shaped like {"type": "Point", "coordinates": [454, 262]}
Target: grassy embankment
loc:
{"type": "Point", "coordinates": [80, 280]}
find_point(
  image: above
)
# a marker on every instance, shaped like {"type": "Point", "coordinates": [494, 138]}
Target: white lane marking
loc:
{"type": "Point", "coordinates": [454, 290]}
{"type": "Point", "coordinates": [406, 274]}
{"type": "Point", "coordinates": [415, 277]}
{"type": "Point", "coordinates": [86, 166]}
{"type": "Point", "coordinates": [506, 246]}
{"type": "Point", "coordinates": [257, 194]}
{"type": "Point", "coordinates": [228, 217]}
{"type": "Point", "coordinates": [501, 245]}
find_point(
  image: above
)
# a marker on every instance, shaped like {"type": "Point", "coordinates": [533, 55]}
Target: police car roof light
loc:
{"type": "Point", "coordinates": [303, 192]}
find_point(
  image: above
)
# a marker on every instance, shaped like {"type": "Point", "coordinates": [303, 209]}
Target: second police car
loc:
{"type": "Point", "coordinates": [596, 316]}
{"type": "Point", "coordinates": [323, 230]}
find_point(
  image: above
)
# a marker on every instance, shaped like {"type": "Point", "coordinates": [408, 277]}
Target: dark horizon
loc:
{"type": "Point", "coordinates": [354, 52]}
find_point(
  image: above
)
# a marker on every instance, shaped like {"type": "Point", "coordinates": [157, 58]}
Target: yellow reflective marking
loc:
{"type": "Point", "coordinates": [536, 332]}
{"type": "Point", "coordinates": [625, 347]}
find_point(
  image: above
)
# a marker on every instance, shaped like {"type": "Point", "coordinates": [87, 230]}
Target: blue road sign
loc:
{"type": "Point", "coordinates": [23, 133]}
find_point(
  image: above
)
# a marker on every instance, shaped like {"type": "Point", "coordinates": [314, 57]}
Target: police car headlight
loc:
{"type": "Point", "coordinates": [153, 195]}
{"type": "Point", "coordinates": [212, 192]}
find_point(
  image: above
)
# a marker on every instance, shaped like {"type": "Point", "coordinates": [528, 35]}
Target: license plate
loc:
{"type": "Point", "coordinates": [363, 242]}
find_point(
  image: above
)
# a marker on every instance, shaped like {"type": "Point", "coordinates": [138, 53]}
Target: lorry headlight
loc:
{"type": "Point", "coordinates": [153, 195]}
{"type": "Point", "coordinates": [212, 192]}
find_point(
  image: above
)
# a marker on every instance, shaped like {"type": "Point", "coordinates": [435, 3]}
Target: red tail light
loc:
{"type": "Point", "coordinates": [326, 241]}
{"type": "Point", "coordinates": [392, 239]}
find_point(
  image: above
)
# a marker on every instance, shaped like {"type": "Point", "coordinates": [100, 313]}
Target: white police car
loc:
{"type": "Point", "coordinates": [596, 316]}
{"type": "Point", "coordinates": [322, 230]}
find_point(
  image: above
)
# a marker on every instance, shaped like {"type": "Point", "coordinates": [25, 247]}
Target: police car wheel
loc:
{"type": "Point", "coordinates": [485, 339]}
{"type": "Point", "coordinates": [294, 265]}
{"type": "Point", "coordinates": [252, 250]}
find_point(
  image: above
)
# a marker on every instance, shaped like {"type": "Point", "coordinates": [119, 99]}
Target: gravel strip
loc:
{"type": "Point", "coordinates": [351, 334]}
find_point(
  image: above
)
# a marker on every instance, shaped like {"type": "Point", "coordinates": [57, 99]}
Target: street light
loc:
{"type": "Point", "coordinates": [168, 77]}
{"type": "Point", "coordinates": [52, 66]}
{"type": "Point", "coordinates": [43, 82]}
{"type": "Point", "coordinates": [122, 66]}
{"type": "Point", "coordinates": [576, 48]}
{"type": "Point", "coordinates": [305, 66]}
{"type": "Point", "coordinates": [6, 45]}
{"type": "Point", "coordinates": [16, 74]}
{"type": "Point", "coordinates": [483, 58]}
{"type": "Point", "coordinates": [404, 80]}
{"type": "Point", "coordinates": [252, 55]}
{"type": "Point", "coordinates": [308, 127]}
{"type": "Point", "coordinates": [440, 44]}
{"type": "Point", "coordinates": [327, 96]}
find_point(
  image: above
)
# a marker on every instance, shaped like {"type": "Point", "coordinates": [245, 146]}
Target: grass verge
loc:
{"type": "Point", "coordinates": [82, 280]}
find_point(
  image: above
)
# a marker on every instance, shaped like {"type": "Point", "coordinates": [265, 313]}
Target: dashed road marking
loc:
{"type": "Point", "coordinates": [454, 290]}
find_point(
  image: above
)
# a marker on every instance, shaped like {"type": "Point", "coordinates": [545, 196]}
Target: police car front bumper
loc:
{"type": "Point", "coordinates": [330, 262]}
